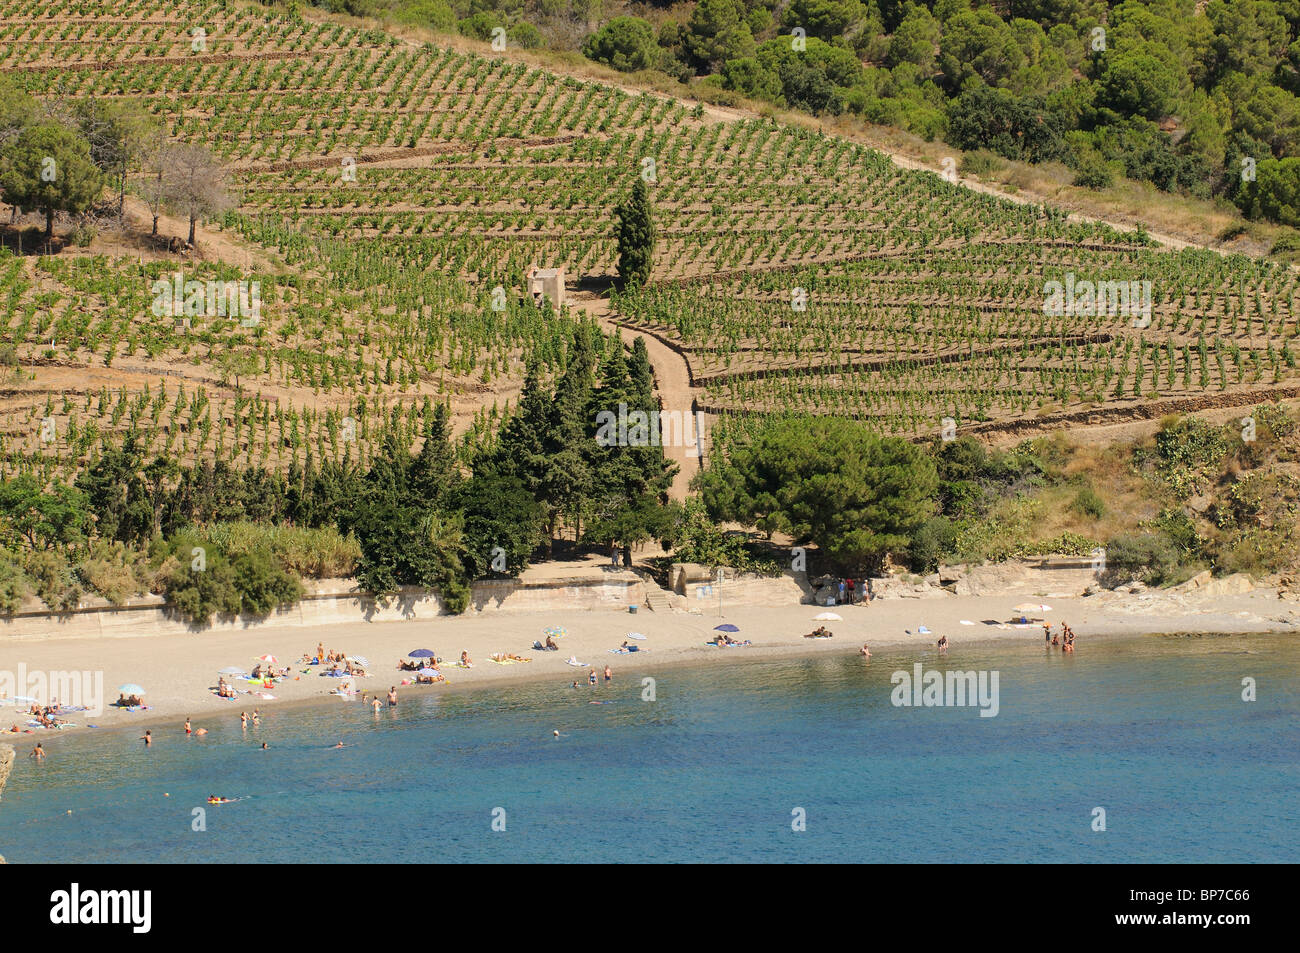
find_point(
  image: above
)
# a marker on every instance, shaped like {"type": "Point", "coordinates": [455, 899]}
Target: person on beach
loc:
{"type": "Point", "coordinates": [147, 737]}
{"type": "Point", "coordinates": [465, 660]}
{"type": "Point", "coordinates": [320, 652]}
{"type": "Point", "coordinates": [849, 586]}
{"type": "Point", "coordinates": [609, 673]}
{"type": "Point", "coordinates": [1056, 640]}
{"type": "Point", "coordinates": [866, 652]}
{"type": "Point", "coordinates": [842, 591]}
{"type": "Point", "coordinates": [943, 645]}
{"type": "Point", "coordinates": [552, 647]}
{"type": "Point", "coordinates": [392, 697]}
{"type": "Point", "coordinates": [1047, 633]}
{"type": "Point", "coordinates": [38, 753]}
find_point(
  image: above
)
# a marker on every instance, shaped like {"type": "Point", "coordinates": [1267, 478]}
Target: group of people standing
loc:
{"type": "Point", "coordinates": [1065, 639]}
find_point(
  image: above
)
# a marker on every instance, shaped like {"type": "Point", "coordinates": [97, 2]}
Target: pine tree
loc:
{"type": "Point", "coordinates": [635, 232]}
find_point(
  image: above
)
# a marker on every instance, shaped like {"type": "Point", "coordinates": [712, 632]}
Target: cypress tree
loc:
{"type": "Point", "coordinates": [635, 232]}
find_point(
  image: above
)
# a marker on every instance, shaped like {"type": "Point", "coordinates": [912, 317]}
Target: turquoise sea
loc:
{"type": "Point", "coordinates": [720, 766]}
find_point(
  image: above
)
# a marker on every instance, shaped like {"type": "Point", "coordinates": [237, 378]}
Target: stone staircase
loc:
{"type": "Point", "coordinates": [656, 599]}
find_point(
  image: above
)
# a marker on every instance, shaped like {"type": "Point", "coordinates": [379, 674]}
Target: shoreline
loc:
{"type": "Point", "coordinates": [177, 671]}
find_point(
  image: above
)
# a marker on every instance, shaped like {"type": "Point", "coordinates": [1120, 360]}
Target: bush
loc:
{"type": "Point", "coordinates": [934, 541]}
{"type": "Point", "coordinates": [1088, 503]}
{"type": "Point", "coordinates": [13, 585]}
{"type": "Point", "coordinates": [980, 162]}
{"type": "Point", "coordinates": [53, 580]}
{"type": "Point", "coordinates": [1150, 557]}
{"type": "Point", "coordinates": [111, 571]}
{"type": "Point", "coordinates": [211, 581]}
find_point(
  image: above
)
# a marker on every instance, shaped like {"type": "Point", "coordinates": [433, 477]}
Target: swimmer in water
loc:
{"type": "Point", "coordinates": [263, 745]}
{"type": "Point", "coordinates": [188, 729]}
{"type": "Point", "coordinates": [376, 704]}
{"type": "Point", "coordinates": [38, 752]}
{"type": "Point", "coordinates": [866, 652]}
{"type": "Point", "coordinates": [243, 720]}
{"type": "Point", "coordinates": [392, 697]}
{"type": "Point", "coordinates": [200, 731]}
{"type": "Point", "coordinates": [556, 733]}
{"type": "Point", "coordinates": [147, 738]}
{"type": "Point", "coordinates": [609, 673]}
{"type": "Point", "coordinates": [257, 719]}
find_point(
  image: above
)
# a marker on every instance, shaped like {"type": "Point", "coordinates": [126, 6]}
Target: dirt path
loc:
{"type": "Point", "coordinates": [672, 381]}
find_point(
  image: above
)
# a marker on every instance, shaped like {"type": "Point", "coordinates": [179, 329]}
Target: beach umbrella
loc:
{"type": "Point", "coordinates": [420, 653]}
{"type": "Point", "coordinates": [231, 670]}
{"type": "Point", "coordinates": [130, 688]}
{"type": "Point", "coordinates": [360, 660]}
{"type": "Point", "coordinates": [428, 671]}
{"type": "Point", "coordinates": [555, 631]}
{"type": "Point", "coordinates": [1032, 607]}
{"type": "Point", "coordinates": [270, 659]}
{"type": "Point", "coordinates": [827, 617]}
{"type": "Point", "coordinates": [726, 627]}
{"type": "Point", "coordinates": [636, 635]}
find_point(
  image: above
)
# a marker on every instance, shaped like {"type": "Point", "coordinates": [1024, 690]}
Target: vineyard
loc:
{"type": "Point", "coordinates": [392, 187]}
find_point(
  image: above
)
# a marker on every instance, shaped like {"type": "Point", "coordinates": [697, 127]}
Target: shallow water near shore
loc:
{"type": "Point", "coordinates": [717, 768]}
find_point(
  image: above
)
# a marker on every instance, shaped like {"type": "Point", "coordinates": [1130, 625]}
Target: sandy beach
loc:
{"type": "Point", "coordinates": [179, 672]}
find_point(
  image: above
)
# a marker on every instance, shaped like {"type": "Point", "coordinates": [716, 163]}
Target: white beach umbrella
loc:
{"type": "Point", "coordinates": [827, 617]}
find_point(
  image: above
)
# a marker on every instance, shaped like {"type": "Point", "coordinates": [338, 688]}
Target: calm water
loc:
{"type": "Point", "coordinates": [1154, 731]}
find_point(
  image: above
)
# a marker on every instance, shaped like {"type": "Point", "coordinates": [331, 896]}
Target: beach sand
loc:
{"type": "Point", "coordinates": [179, 672]}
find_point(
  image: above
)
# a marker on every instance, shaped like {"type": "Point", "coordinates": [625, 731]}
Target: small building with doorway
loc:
{"type": "Point", "coordinates": [546, 283]}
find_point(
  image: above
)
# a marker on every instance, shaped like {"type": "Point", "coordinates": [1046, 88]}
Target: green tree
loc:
{"type": "Point", "coordinates": [48, 167]}
{"type": "Point", "coordinates": [824, 19]}
{"type": "Point", "coordinates": [625, 43]}
{"type": "Point", "coordinates": [1137, 83]}
{"type": "Point", "coordinates": [829, 481]}
{"type": "Point", "coordinates": [1275, 193]}
{"type": "Point", "coordinates": [635, 232]}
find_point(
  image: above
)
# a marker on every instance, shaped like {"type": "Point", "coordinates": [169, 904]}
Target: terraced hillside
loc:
{"type": "Point", "coordinates": [387, 188]}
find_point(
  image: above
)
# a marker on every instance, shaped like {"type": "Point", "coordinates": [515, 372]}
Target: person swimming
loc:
{"type": "Point", "coordinates": [865, 652]}
{"type": "Point", "coordinates": [147, 738]}
{"type": "Point", "coordinates": [38, 753]}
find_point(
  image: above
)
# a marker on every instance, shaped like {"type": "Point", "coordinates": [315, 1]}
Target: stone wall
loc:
{"type": "Point", "coordinates": [331, 602]}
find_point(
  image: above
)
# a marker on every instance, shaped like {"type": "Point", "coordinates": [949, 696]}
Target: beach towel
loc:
{"type": "Point", "coordinates": [627, 651]}
{"type": "Point", "coordinates": [730, 645]}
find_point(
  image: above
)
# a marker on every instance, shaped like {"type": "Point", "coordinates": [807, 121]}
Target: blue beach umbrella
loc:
{"type": "Point", "coordinates": [420, 653]}
{"type": "Point", "coordinates": [130, 689]}
{"type": "Point", "coordinates": [555, 631]}
{"type": "Point", "coordinates": [726, 627]}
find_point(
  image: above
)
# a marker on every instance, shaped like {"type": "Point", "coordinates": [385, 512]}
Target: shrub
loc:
{"type": "Point", "coordinates": [1151, 557]}
{"type": "Point", "coordinates": [53, 581]}
{"type": "Point", "coordinates": [13, 585]}
{"type": "Point", "coordinates": [1088, 503]}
